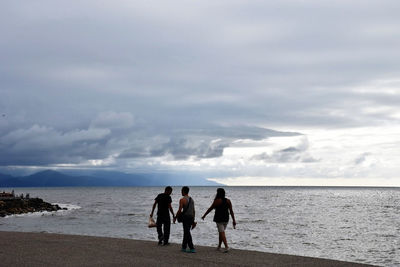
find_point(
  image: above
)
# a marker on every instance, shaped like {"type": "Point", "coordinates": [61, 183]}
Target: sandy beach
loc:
{"type": "Point", "coordinates": [43, 249]}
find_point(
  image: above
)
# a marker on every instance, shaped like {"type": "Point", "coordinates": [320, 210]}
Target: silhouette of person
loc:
{"type": "Point", "coordinates": [186, 208]}
{"type": "Point", "coordinates": [223, 207]}
{"type": "Point", "coordinates": [163, 201]}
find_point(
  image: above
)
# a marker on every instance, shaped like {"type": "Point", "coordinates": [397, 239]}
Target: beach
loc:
{"type": "Point", "coordinates": [44, 249]}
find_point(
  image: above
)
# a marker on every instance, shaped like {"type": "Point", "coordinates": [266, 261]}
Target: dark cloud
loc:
{"type": "Point", "coordinates": [198, 143]}
{"type": "Point", "coordinates": [115, 134]}
{"type": "Point", "coordinates": [182, 148]}
{"type": "Point", "coordinates": [39, 145]}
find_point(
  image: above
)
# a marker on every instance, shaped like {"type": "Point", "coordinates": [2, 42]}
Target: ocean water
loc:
{"type": "Point", "coordinates": [351, 224]}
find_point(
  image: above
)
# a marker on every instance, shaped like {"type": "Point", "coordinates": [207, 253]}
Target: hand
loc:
{"type": "Point", "coordinates": [203, 218]}
{"type": "Point", "coordinates": [151, 215]}
{"type": "Point", "coordinates": [174, 220]}
{"type": "Point", "coordinates": [234, 224]}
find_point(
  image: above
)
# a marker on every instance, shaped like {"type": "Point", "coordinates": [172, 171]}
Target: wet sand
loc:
{"type": "Point", "coordinates": [42, 249]}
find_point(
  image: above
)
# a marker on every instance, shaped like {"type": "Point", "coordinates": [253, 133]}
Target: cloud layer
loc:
{"type": "Point", "coordinates": [129, 84]}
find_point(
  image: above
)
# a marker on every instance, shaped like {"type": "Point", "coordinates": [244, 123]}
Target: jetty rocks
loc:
{"type": "Point", "coordinates": [10, 206]}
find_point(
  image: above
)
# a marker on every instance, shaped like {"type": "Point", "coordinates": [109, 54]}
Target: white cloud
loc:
{"type": "Point", "coordinates": [332, 156]}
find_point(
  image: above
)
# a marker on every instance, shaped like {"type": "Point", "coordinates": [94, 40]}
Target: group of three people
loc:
{"type": "Point", "coordinates": [186, 215]}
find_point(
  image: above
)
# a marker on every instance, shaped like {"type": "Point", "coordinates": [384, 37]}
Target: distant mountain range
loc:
{"type": "Point", "coordinates": [50, 178]}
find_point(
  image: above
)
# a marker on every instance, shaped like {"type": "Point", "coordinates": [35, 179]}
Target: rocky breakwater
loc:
{"type": "Point", "coordinates": [25, 205]}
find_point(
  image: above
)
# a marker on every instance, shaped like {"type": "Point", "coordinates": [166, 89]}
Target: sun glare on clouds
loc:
{"type": "Point", "coordinates": [352, 157]}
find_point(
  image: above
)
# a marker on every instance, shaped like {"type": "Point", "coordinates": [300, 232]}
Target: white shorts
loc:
{"type": "Point", "coordinates": [221, 226]}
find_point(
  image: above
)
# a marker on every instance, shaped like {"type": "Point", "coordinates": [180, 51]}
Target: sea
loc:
{"type": "Point", "coordinates": [349, 224]}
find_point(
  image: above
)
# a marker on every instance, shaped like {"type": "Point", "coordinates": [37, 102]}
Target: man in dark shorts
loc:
{"type": "Point", "coordinates": [163, 201]}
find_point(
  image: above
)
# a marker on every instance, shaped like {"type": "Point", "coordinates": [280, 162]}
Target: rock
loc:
{"type": "Point", "coordinates": [19, 206]}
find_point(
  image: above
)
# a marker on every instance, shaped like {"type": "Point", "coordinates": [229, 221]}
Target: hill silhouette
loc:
{"type": "Point", "coordinates": [50, 178]}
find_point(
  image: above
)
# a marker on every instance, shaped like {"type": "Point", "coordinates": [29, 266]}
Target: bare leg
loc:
{"type": "Point", "coordinates": [220, 240]}
{"type": "Point", "coordinates": [223, 237]}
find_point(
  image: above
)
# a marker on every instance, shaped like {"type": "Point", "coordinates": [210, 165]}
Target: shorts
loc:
{"type": "Point", "coordinates": [221, 226]}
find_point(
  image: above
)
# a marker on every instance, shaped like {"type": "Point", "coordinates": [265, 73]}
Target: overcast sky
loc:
{"type": "Point", "coordinates": [257, 92]}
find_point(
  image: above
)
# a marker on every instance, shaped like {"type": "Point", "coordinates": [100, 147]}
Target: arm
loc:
{"type": "Point", "coordinates": [181, 202]}
{"type": "Point", "coordinates": [232, 214]}
{"type": "Point", "coordinates": [171, 210]}
{"type": "Point", "coordinates": [154, 206]}
{"type": "Point", "coordinates": [209, 209]}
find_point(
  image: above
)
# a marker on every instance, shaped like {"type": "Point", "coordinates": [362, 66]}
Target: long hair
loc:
{"type": "Point", "coordinates": [220, 193]}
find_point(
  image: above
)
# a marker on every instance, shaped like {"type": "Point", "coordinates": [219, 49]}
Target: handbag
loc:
{"type": "Point", "coordinates": [179, 218]}
{"type": "Point", "coordinates": [152, 223]}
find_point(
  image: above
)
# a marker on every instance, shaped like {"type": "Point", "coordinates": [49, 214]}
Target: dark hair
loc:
{"type": "Point", "coordinates": [220, 193]}
{"type": "Point", "coordinates": [168, 189]}
{"type": "Point", "coordinates": [185, 190]}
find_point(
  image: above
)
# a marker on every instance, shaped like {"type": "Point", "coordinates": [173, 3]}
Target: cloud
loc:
{"type": "Point", "coordinates": [298, 153]}
{"type": "Point", "coordinates": [196, 143]}
{"type": "Point", "coordinates": [188, 83]}
{"type": "Point", "coordinates": [46, 145]}
{"type": "Point", "coordinates": [247, 63]}
{"type": "Point", "coordinates": [182, 148]}
{"type": "Point", "coordinates": [113, 120]}
{"type": "Point", "coordinates": [115, 135]}
{"type": "Point", "coordinates": [361, 159]}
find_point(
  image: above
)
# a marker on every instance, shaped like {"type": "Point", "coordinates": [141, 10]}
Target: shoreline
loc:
{"type": "Point", "coordinates": [46, 249]}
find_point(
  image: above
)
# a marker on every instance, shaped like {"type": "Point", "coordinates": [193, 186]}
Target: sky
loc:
{"type": "Point", "coordinates": [291, 92]}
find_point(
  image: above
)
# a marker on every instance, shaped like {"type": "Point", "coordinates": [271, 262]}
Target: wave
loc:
{"type": "Point", "coordinates": [31, 214]}
{"type": "Point", "coordinates": [68, 207]}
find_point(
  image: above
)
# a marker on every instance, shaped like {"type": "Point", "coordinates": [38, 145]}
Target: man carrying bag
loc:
{"type": "Point", "coordinates": [163, 201]}
{"type": "Point", "coordinates": [186, 214]}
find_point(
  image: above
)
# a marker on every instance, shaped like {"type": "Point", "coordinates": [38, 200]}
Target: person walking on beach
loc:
{"type": "Point", "coordinates": [186, 212]}
{"type": "Point", "coordinates": [223, 207]}
{"type": "Point", "coordinates": [163, 201]}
